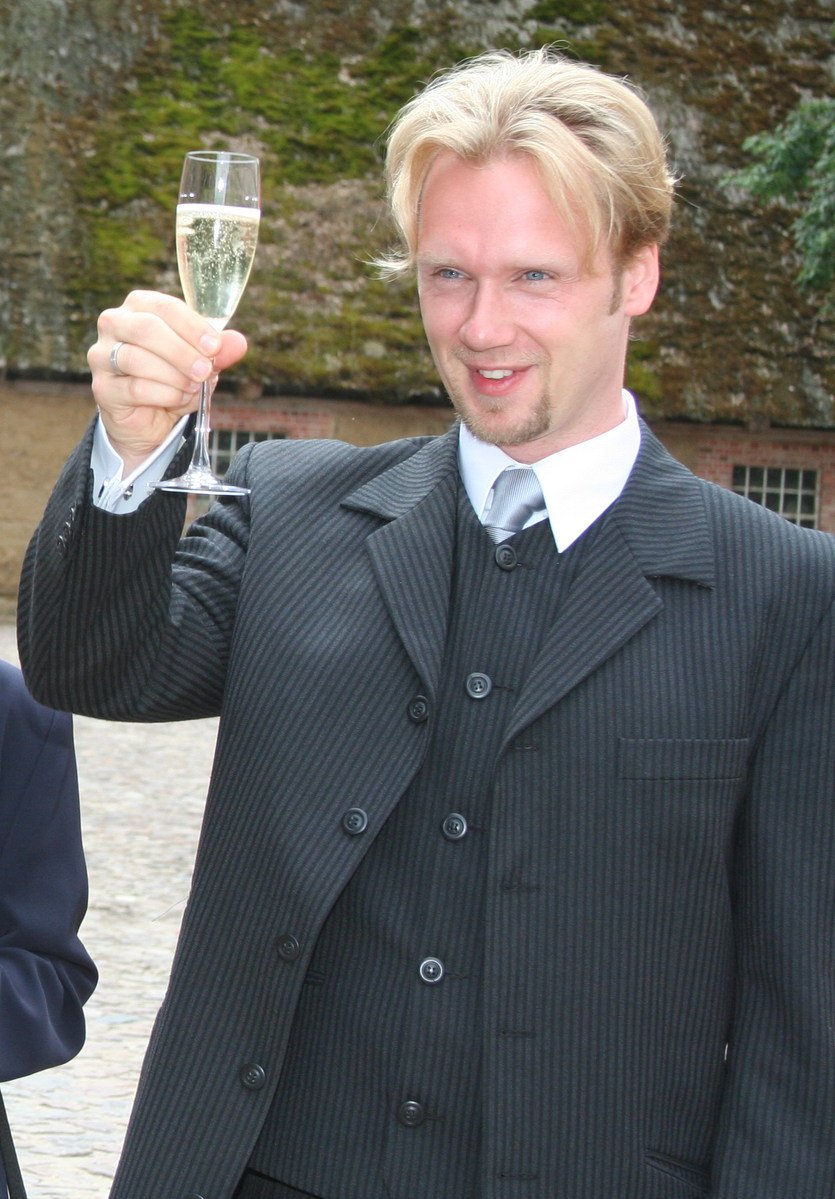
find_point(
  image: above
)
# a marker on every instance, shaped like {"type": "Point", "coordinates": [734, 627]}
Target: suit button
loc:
{"type": "Point", "coordinates": [355, 821]}
{"type": "Point", "coordinates": [454, 826]}
{"type": "Point", "coordinates": [419, 709]}
{"type": "Point", "coordinates": [478, 685]}
{"type": "Point", "coordinates": [505, 556]}
{"type": "Point", "coordinates": [253, 1077]}
{"type": "Point", "coordinates": [431, 970]}
{"type": "Point", "coordinates": [288, 947]}
{"type": "Point", "coordinates": [411, 1114]}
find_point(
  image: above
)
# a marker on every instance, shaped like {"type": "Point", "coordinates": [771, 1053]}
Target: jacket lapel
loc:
{"type": "Point", "coordinates": [412, 552]}
{"type": "Point", "coordinates": [656, 528]}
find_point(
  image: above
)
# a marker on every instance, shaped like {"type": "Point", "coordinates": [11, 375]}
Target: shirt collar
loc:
{"type": "Point", "coordinates": [578, 483]}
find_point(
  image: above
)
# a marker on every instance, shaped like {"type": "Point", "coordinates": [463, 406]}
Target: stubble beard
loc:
{"type": "Point", "coordinates": [529, 426]}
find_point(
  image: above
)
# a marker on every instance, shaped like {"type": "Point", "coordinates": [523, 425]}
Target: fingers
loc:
{"type": "Point", "coordinates": [147, 365]}
{"type": "Point", "coordinates": [163, 343]}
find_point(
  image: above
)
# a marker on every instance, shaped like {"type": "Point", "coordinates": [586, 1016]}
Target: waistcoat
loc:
{"type": "Point", "coordinates": [380, 1094]}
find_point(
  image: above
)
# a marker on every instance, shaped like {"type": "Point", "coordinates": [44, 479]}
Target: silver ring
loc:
{"type": "Point", "coordinates": [114, 358]}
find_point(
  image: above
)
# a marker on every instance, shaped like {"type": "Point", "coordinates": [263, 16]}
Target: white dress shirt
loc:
{"type": "Point", "coordinates": [112, 489]}
{"type": "Point", "coordinates": [578, 484]}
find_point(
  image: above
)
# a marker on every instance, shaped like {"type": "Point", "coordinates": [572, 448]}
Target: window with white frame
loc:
{"type": "Point", "coordinates": [225, 443]}
{"type": "Point", "coordinates": [790, 491]}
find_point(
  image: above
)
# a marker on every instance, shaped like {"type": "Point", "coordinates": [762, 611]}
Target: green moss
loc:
{"type": "Point", "coordinates": [575, 12]}
{"type": "Point", "coordinates": [311, 117]}
{"type": "Point", "coordinates": [643, 376]}
{"type": "Point", "coordinates": [559, 23]}
{"type": "Point", "coordinates": [312, 93]}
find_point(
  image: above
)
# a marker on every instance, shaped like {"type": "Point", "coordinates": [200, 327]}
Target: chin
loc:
{"type": "Point", "coordinates": [504, 433]}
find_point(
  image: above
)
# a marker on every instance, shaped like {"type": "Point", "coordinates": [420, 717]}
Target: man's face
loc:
{"type": "Point", "coordinates": [530, 346]}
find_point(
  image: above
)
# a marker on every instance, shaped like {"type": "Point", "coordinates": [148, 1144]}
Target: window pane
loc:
{"type": "Point", "coordinates": [787, 490]}
{"type": "Point", "coordinates": [225, 443]}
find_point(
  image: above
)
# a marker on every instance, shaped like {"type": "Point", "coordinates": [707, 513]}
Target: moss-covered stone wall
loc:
{"type": "Point", "coordinates": [99, 101]}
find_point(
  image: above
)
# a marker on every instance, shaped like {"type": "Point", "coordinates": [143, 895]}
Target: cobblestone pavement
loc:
{"type": "Point", "coordinates": [142, 792]}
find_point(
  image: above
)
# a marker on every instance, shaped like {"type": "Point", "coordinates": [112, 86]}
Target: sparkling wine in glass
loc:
{"type": "Point", "coordinates": [218, 213]}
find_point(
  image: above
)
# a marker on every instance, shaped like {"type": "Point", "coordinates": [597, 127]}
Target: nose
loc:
{"type": "Point", "coordinates": [487, 324]}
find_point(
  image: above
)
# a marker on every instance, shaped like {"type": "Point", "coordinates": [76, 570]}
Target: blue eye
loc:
{"type": "Point", "coordinates": [536, 276]}
{"type": "Point", "coordinates": [448, 272]}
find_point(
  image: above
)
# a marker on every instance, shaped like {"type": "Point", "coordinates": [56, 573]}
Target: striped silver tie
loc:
{"type": "Point", "coordinates": [516, 496]}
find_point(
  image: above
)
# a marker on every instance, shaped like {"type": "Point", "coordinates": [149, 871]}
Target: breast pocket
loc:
{"type": "Point", "coordinates": [683, 795]}
{"type": "Point", "coordinates": [667, 759]}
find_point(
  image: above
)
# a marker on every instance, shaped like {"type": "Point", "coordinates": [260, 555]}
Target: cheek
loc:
{"type": "Point", "coordinates": [440, 321]}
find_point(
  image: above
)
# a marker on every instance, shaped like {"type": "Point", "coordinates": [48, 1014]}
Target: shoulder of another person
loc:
{"type": "Point", "coordinates": [13, 692]}
{"type": "Point", "coordinates": [20, 714]}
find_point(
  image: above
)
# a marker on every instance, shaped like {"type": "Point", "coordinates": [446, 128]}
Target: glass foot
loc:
{"type": "Point", "coordinates": [201, 482]}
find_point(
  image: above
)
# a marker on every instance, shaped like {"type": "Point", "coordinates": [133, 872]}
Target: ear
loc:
{"type": "Point", "coordinates": [640, 281]}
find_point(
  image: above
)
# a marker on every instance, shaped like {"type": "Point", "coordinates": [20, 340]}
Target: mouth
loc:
{"type": "Point", "coordinates": [496, 382]}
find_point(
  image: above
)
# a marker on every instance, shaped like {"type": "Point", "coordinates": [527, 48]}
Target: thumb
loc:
{"type": "Point", "coordinates": [233, 346]}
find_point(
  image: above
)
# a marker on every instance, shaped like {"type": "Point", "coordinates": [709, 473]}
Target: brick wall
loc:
{"type": "Point", "coordinates": [40, 422]}
{"type": "Point", "coordinates": [290, 418]}
{"type": "Point", "coordinates": [712, 451]}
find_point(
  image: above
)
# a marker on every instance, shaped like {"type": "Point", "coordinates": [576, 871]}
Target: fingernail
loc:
{"type": "Point", "coordinates": [201, 369]}
{"type": "Point", "coordinates": [209, 344]}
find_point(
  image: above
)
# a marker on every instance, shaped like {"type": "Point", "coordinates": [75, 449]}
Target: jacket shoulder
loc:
{"type": "Point", "coordinates": [324, 455]}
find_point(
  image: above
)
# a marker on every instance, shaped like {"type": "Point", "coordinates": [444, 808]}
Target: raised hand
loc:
{"type": "Point", "coordinates": [151, 356]}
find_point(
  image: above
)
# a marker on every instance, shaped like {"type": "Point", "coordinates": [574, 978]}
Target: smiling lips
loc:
{"type": "Point", "coordinates": [495, 380]}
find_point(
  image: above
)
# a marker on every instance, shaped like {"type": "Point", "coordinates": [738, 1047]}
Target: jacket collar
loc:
{"type": "Point", "coordinates": [398, 490]}
{"type": "Point", "coordinates": [661, 515]}
{"type": "Point", "coordinates": [657, 528]}
{"type": "Point", "coordinates": [660, 512]}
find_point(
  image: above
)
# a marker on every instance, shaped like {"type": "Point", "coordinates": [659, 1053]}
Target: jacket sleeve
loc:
{"type": "Point", "coordinates": [777, 1132]}
{"type": "Point", "coordinates": [45, 973]}
{"type": "Point", "coordinates": [120, 619]}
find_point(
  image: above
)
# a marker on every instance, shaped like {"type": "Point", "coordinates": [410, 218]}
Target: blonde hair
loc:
{"type": "Point", "coordinates": [594, 139]}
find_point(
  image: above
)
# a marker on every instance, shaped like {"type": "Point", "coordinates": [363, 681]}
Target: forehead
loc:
{"type": "Point", "coordinates": [500, 207]}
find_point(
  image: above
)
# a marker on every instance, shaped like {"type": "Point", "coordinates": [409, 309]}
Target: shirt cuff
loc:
{"type": "Point", "coordinates": [111, 490]}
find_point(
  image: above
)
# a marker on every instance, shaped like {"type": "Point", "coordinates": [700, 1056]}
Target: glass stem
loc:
{"type": "Point", "coordinates": [200, 458]}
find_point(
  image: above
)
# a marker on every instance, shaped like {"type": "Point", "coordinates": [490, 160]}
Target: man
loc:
{"type": "Point", "coordinates": [45, 974]}
{"type": "Point", "coordinates": [516, 877]}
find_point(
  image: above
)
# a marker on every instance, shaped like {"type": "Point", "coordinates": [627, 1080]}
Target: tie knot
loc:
{"type": "Point", "coordinates": [517, 495]}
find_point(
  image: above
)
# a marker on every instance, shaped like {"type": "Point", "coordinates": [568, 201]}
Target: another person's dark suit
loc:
{"type": "Point", "coordinates": [45, 974]}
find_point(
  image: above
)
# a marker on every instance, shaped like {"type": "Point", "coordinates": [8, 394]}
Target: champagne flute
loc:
{"type": "Point", "coordinates": [218, 213]}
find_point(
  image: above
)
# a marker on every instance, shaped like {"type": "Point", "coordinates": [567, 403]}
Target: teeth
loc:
{"type": "Point", "coordinates": [496, 374]}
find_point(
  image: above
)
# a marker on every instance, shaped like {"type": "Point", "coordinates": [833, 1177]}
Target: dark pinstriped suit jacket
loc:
{"type": "Point", "coordinates": [664, 806]}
